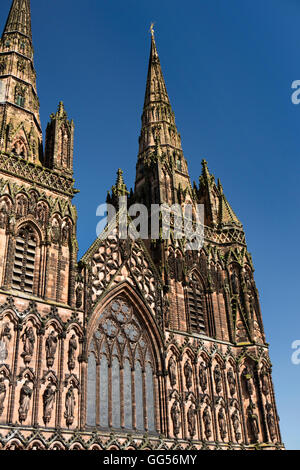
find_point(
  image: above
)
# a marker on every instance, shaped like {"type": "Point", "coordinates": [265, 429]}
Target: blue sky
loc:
{"type": "Point", "coordinates": [228, 66]}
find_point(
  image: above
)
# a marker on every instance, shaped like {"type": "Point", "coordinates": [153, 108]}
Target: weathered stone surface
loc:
{"type": "Point", "coordinates": [139, 345]}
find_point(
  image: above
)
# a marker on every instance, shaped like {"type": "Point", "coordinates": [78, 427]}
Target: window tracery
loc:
{"type": "Point", "coordinates": [120, 372]}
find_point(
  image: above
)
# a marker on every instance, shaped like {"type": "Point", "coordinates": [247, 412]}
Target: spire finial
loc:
{"type": "Point", "coordinates": [152, 29]}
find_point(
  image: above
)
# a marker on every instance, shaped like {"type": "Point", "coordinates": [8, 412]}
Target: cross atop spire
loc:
{"type": "Point", "coordinates": [152, 29]}
{"type": "Point", "coordinates": [19, 18]}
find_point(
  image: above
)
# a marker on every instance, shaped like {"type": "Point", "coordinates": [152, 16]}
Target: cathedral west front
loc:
{"type": "Point", "coordinates": [140, 344]}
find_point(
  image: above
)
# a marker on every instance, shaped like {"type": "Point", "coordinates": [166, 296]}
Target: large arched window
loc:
{"type": "Point", "coordinates": [120, 388]}
{"type": "Point", "coordinates": [196, 305]}
{"type": "Point", "coordinates": [24, 261]}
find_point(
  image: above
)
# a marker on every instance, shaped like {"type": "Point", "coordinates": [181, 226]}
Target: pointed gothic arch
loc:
{"type": "Point", "coordinates": [124, 360]}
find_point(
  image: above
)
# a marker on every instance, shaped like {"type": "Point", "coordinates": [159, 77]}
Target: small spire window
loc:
{"type": "Point", "coordinates": [20, 101]}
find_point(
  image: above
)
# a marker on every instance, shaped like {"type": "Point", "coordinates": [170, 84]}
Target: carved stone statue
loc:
{"type": "Point", "coordinates": [51, 346]}
{"type": "Point", "coordinates": [71, 352]}
{"type": "Point", "coordinates": [48, 401]}
{"type": "Point", "coordinates": [172, 369]}
{"type": "Point", "coordinates": [24, 402]}
{"type": "Point", "coordinates": [70, 406]}
{"type": "Point", "coordinates": [188, 373]}
{"type": "Point", "coordinates": [55, 231]}
{"type": "Point", "coordinates": [32, 204]}
{"type": "Point", "coordinates": [247, 375]}
{"type": "Point", "coordinates": [271, 422]}
{"type": "Point", "coordinates": [231, 381]}
{"type": "Point", "coordinates": [222, 424]}
{"type": "Point", "coordinates": [234, 282]}
{"type": "Point", "coordinates": [253, 423]}
{"type": "Point", "coordinates": [79, 292]}
{"type": "Point", "coordinates": [125, 248]}
{"type": "Point", "coordinates": [218, 378]}
{"type": "Point", "coordinates": [28, 339]}
{"type": "Point", "coordinates": [203, 376]}
{"type": "Point", "coordinates": [191, 418]}
{"type": "Point", "coordinates": [2, 394]}
{"type": "Point", "coordinates": [265, 381]}
{"type": "Point", "coordinates": [42, 214]}
{"type": "Point", "coordinates": [21, 208]}
{"type": "Point", "coordinates": [5, 337]}
{"type": "Point", "coordinates": [175, 415]}
{"type": "Point", "coordinates": [207, 422]}
{"type": "Point", "coordinates": [3, 217]}
{"type": "Point", "coordinates": [65, 233]}
{"type": "Point", "coordinates": [236, 425]}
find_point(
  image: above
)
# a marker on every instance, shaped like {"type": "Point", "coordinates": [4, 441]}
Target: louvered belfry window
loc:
{"type": "Point", "coordinates": [25, 252]}
{"type": "Point", "coordinates": [196, 303]}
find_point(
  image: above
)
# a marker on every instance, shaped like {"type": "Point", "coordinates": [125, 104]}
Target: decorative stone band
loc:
{"type": "Point", "coordinates": [17, 166]}
{"type": "Point", "coordinates": [224, 236]}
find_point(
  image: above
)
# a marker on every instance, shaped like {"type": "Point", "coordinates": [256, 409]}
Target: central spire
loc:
{"type": "Point", "coordinates": [161, 168]}
{"type": "Point", "coordinates": [159, 132]}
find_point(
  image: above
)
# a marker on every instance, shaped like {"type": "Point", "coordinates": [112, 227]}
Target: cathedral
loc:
{"type": "Point", "coordinates": [141, 344]}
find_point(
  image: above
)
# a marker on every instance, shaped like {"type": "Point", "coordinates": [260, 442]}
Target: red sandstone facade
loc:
{"type": "Point", "coordinates": [139, 345]}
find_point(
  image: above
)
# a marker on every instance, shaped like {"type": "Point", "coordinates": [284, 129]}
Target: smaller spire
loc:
{"type": "Point", "coordinates": [61, 110]}
{"type": "Point", "coordinates": [220, 187]}
{"type": "Point", "coordinates": [206, 177]}
{"type": "Point", "coordinates": [120, 188]}
{"type": "Point", "coordinates": [226, 213]}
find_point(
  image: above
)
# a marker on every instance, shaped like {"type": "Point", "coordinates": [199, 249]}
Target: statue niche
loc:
{"type": "Point", "coordinates": [51, 346]}
{"type": "Point", "coordinates": [172, 369]}
{"type": "Point", "coordinates": [188, 373]}
{"type": "Point", "coordinates": [71, 352]}
{"type": "Point", "coordinates": [175, 415]}
{"type": "Point", "coordinates": [28, 339]}
{"type": "Point", "coordinates": [203, 376]}
{"type": "Point", "coordinates": [3, 392]}
{"type": "Point", "coordinates": [70, 406]}
{"type": "Point", "coordinates": [5, 337]}
{"type": "Point", "coordinates": [24, 401]}
{"type": "Point", "coordinates": [48, 402]}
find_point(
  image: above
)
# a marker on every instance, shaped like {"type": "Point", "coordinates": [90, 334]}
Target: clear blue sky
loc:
{"type": "Point", "coordinates": [228, 65]}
